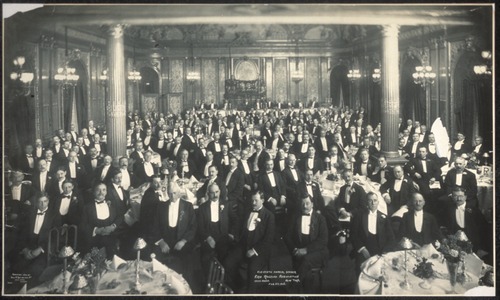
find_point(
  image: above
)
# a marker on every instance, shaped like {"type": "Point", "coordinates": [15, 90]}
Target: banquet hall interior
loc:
{"type": "Point", "coordinates": [129, 106]}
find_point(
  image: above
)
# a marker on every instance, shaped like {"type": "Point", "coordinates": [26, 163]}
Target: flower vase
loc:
{"type": "Point", "coordinates": [426, 284]}
{"type": "Point", "coordinates": [452, 270]}
{"type": "Point", "coordinates": [94, 283]}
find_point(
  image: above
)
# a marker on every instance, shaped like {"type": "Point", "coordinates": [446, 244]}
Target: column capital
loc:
{"type": "Point", "coordinates": [115, 30]}
{"type": "Point", "coordinates": [390, 30]}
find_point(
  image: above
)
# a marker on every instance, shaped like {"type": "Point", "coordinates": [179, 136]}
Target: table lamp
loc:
{"type": "Point", "coordinates": [138, 246]}
{"type": "Point", "coordinates": [79, 282]}
{"type": "Point", "coordinates": [65, 252]}
{"type": "Point", "coordinates": [406, 244]}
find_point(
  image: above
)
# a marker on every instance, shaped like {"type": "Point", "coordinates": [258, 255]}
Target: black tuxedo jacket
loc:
{"type": "Point", "coordinates": [360, 233]}
{"type": "Point", "coordinates": [27, 239]}
{"type": "Point", "coordinates": [75, 208]}
{"type": "Point", "coordinates": [221, 183]}
{"type": "Point", "coordinates": [260, 239]}
{"type": "Point", "coordinates": [124, 204]}
{"type": "Point", "coordinates": [415, 166]}
{"type": "Point", "coordinates": [261, 163]}
{"type": "Point", "coordinates": [476, 228]}
{"type": "Point", "coordinates": [409, 147]}
{"type": "Point", "coordinates": [318, 235]}
{"type": "Point", "coordinates": [397, 199]}
{"type": "Point", "coordinates": [316, 197]}
{"type": "Point", "coordinates": [371, 165]}
{"type": "Point", "coordinates": [356, 202]}
{"type": "Point", "coordinates": [319, 146]}
{"type": "Point", "coordinates": [80, 172]}
{"type": "Point", "coordinates": [191, 166]}
{"type": "Point", "coordinates": [35, 180]}
{"type": "Point", "coordinates": [376, 176]}
{"type": "Point", "coordinates": [104, 149]}
{"type": "Point", "coordinates": [469, 183]}
{"type": "Point", "coordinates": [235, 186]}
{"type": "Point", "coordinates": [136, 137]}
{"type": "Point", "coordinates": [430, 229]}
{"type": "Point", "coordinates": [186, 222]}
{"type": "Point", "coordinates": [211, 147]}
{"type": "Point", "coordinates": [264, 185]}
{"type": "Point", "coordinates": [107, 177]}
{"type": "Point", "coordinates": [89, 219]}
{"type": "Point", "coordinates": [225, 223]}
{"type": "Point", "coordinates": [24, 165]}
{"type": "Point", "coordinates": [245, 141]}
{"type": "Point", "coordinates": [317, 165]}
{"type": "Point", "coordinates": [349, 140]}
{"type": "Point", "coordinates": [137, 160]}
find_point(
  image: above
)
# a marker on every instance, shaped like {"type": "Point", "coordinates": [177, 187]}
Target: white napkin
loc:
{"type": "Point", "coordinates": [117, 262]}
{"type": "Point", "coordinates": [372, 267]}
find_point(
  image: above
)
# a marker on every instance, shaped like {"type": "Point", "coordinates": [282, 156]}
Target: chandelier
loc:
{"type": "Point", "coordinates": [377, 75]}
{"type": "Point", "coordinates": [22, 75]}
{"type": "Point", "coordinates": [484, 69]}
{"type": "Point", "coordinates": [134, 75]}
{"type": "Point", "coordinates": [66, 76]}
{"type": "Point", "coordinates": [192, 75]}
{"type": "Point", "coordinates": [423, 75]}
{"type": "Point", "coordinates": [354, 74]}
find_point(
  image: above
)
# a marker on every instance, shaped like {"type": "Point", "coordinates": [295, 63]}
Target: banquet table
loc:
{"type": "Point", "coordinates": [391, 266]}
{"type": "Point", "coordinates": [155, 279]}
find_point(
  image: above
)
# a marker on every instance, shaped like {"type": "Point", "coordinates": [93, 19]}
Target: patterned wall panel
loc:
{"type": "Point", "coordinates": [325, 80]}
{"type": "Point", "coordinates": [269, 77]}
{"type": "Point", "coordinates": [209, 81]}
{"type": "Point", "coordinates": [222, 79]}
{"type": "Point", "coordinates": [176, 76]}
{"type": "Point", "coordinates": [302, 93]}
{"type": "Point", "coordinates": [175, 103]}
{"type": "Point", "coordinates": [280, 80]}
{"type": "Point", "coordinates": [312, 78]}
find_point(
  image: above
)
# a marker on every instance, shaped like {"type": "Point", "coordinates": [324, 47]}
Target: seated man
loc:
{"type": "Point", "coordinates": [146, 170]}
{"type": "Point", "coordinates": [213, 177]}
{"type": "Point", "coordinates": [397, 191]}
{"type": "Point", "coordinates": [419, 226]}
{"type": "Point", "coordinates": [185, 165]}
{"type": "Point", "coordinates": [364, 165]}
{"type": "Point", "coordinates": [382, 172]}
{"type": "Point", "coordinates": [307, 241]}
{"type": "Point", "coordinates": [33, 239]}
{"type": "Point", "coordinates": [272, 186]}
{"type": "Point", "coordinates": [351, 198]}
{"type": "Point", "coordinates": [254, 246]}
{"type": "Point", "coordinates": [461, 177]}
{"type": "Point", "coordinates": [68, 205]}
{"type": "Point", "coordinates": [100, 218]}
{"type": "Point", "coordinates": [216, 227]}
{"type": "Point", "coordinates": [371, 231]}
{"type": "Point", "coordinates": [173, 234]}
{"type": "Point", "coordinates": [309, 188]}
{"type": "Point", "coordinates": [468, 218]}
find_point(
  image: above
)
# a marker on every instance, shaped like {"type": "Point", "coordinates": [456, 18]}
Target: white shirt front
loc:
{"type": "Point", "coordinates": [458, 145]}
{"type": "Point", "coordinates": [309, 188]}
{"type": "Point", "coordinates": [93, 162]}
{"type": "Point", "coordinates": [217, 147]}
{"type": "Point", "coordinates": [294, 174]}
{"type": "Point", "coordinates": [364, 168]}
{"type": "Point", "coordinates": [323, 144]}
{"type": "Point", "coordinates": [476, 149]}
{"type": "Point", "coordinates": [244, 163]}
{"type": "Point", "coordinates": [419, 218]}
{"type": "Point", "coordinates": [228, 178]}
{"type": "Point", "coordinates": [282, 164]}
{"type": "Point", "coordinates": [65, 202]}
{"type": "Point", "coordinates": [207, 165]}
{"type": "Point", "coordinates": [72, 170]}
{"type": "Point", "coordinates": [39, 151]}
{"type": "Point", "coordinates": [397, 184]}
{"type": "Point", "coordinates": [304, 148]}
{"type": "Point", "coordinates": [147, 140]}
{"type": "Point", "coordinates": [148, 169]}
{"type": "Point", "coordinates": [161, 143]}
{"type": "Point", "coordinates": [102, 210]}
{"type": "Point", "coordinates": [270, 175]}
{"type": "Point", "coordinates": [424, 165]}
{"type": "Point", "coordinates": [98, 147]}
{"type": "Point", "coordinates": [372, 222]}
{"type": "Point", "coordinates": [214, 211]}
{"type": "Point", "coordinates": [414, 148]}
{"type": "Point", "coordinates": [105, 170]}
{"type": "Point", "coordinates": [458, 180]}
{"type": "Point", "coordinates": [39, 221]}
{"type": "Point", "coordinates": [310, 163]}
{"type": "Point", "coordinates": [16, 192]}
{"type": "Point", "coordinates": [43, 177]}
{"type": "Point", "coordinates": [460, 215]}
{"type": "Point", "coordinates": [252, 221]}
{"type": "Point", "coordinates": [60, 183]}
{"type": "Point", "coordinates": [432, 148]}
{"type": "Point", "coordinates": [305, 225]}
{"type": "Point", "coordinates": [125, 179]}
{"type": "Point", "coordinates": [31, 161]}
{"type": "Point", "coordinates": [173, 213]}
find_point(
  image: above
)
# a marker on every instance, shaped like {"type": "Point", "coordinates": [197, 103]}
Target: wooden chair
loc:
{"type": "Point", "coordinates": [215, 274]}
{"type": "Point", "coordinates": [220, 288]}
{"type": "Point", "coordinates": [55, 244]}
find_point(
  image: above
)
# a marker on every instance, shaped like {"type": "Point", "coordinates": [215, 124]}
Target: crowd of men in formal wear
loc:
{"type": "Point", "coordinates": [259, 171]}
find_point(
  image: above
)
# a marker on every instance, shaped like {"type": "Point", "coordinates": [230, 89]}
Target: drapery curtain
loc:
{"type": "Point", "coordinates": [473, 99]}
{"type": "Point", "coordinates": [339, 86]}
{"type": "Point", "coordinates": [412, 95]}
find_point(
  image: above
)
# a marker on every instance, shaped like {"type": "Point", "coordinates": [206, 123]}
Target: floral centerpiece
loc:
{"type": "Point", "coordinates": [423, 269]}
{"type": "Point", "coordinates": [454, 249]}
{"type": "Point", "coordinates": [92, 265]}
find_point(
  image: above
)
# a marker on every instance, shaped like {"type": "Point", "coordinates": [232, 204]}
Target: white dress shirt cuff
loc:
{"type": "Point", "coordinates": [361, 249]}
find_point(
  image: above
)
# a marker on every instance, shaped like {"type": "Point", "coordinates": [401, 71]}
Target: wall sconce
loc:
{"type": "Point", "coordinates": [377, 75]}
{"type": "Point", "coordinates": [484, 69]}
{"type": "Point", "coordinates": [21, 75]}
{"type": "Point", "coordinates": [354, 75]}
{"type": "Point", "coordinates": [423, 75]}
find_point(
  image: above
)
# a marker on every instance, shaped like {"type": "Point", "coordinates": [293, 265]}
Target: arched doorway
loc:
{"type": "Point", "coordinates": [412, 96]}
{"type": "Point", "coordinates": [75, 102]}
{"type": "Point", "coordinates": [149, 90]}
{"type": "Point", "coordinates": [339, 86]}
{"type": "Point", "coordinates": [472, 99]}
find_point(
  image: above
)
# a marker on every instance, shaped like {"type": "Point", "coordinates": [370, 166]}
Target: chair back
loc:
{"type": "Point", "coordinates": [58, 237]}
{"type": "Point", "coordinates": [220, 288]}
{"type": "Point", "coordinates": [215, 274]}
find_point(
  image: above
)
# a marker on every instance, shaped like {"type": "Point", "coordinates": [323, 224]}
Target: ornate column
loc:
{"type": "Point", "coordinates": [390, 90]}
{"type": "Point", "coordinates": [116, 102]}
